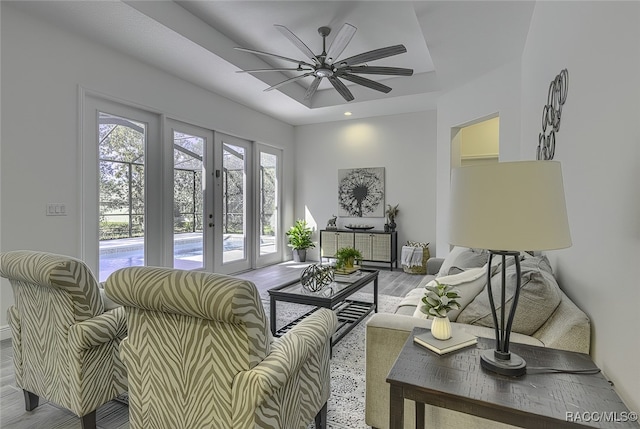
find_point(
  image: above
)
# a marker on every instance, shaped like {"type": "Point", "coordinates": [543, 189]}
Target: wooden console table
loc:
{"type": "Point", "coordinates": [375, 246]}
{"type": "Point", "coordinates": [536, 400]}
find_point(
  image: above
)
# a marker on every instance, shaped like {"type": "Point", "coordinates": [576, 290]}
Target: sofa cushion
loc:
{"type": "Point", "coordinates": [410, 300]}
{"type": "Point", "coordinates": [469, 284]}
{"type": "Point", "coordinates": [539, 297]}
{"type": "Point", "coordinates": [483, 331]}
{"type": "Point", "coordinates": [462, 258]}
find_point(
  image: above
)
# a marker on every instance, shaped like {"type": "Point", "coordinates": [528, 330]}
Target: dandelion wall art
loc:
{"type": "Point", "coordinates": [361, 192]}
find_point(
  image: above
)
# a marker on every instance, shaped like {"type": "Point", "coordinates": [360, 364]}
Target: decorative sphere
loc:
{"type": "Point", "coordinates": [316, 276]}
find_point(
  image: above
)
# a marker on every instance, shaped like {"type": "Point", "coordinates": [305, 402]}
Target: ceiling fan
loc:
{"type": "Point", "coordinates": [327, 65]}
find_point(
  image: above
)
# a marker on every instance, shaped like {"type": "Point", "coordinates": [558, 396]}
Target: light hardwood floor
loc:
{"type": "Point", "coordinates": [114, 415]}
{"type": "Point", "coordinates": [394, 283]}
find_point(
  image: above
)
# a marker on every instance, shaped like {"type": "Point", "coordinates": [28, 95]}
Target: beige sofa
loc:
{"type": "Point", "coordinates": [567, 328]}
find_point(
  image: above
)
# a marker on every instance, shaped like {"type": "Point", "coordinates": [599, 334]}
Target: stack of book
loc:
{"type": "Point", "coordinates": [346, 278]}
{"type": "Point", "coordinates": [458, 340]}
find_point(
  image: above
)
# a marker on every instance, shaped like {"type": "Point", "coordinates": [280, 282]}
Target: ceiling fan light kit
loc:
{"type": "Point", "coordinates": [326, 66]}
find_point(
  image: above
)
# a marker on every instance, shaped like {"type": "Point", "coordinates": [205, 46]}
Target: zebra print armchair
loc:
{"type": "Point", "coordinates": [200, 354]}
{"type": "Point", "coordinates": [65, 345]}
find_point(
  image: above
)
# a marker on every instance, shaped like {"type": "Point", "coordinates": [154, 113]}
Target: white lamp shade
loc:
{"type": "Point", "coordinates": [509, 206]}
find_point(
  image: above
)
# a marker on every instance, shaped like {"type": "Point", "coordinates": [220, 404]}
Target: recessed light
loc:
{"type": "Point", "coordinates": [347, 113]}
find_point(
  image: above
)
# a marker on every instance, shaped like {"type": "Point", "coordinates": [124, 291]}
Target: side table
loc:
{"type": "Point", "coordinates": [538, 399]}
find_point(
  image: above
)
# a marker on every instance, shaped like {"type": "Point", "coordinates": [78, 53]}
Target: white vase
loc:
{"type": "Point", "coordinates": [441, 328]}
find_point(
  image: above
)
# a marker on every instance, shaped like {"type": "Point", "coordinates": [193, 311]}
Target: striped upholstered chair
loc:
{"type": "Point", "coordinates": [200, 354]}
{"type": "Point", "coordinates": [65, 345]}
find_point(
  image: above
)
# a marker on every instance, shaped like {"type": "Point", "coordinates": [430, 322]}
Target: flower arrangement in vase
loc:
{"type": "Point", "coordinates": [437, 301]}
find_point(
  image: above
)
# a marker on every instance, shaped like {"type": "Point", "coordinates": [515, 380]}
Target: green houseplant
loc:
{"type": "Point", "coordinates": [392, 212]}
{"type": "Point", "coordinates": [299, 236]}
{"type": "Point", "coordinates": [346, 257]}
{"type": "Point", "coordinates": [437, 301]}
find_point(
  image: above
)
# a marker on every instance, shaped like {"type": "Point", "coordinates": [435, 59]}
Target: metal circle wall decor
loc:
{"type": "Point", "coordinates": [316, 276]}
{"type": "Point", "coordinates": [551, 115]}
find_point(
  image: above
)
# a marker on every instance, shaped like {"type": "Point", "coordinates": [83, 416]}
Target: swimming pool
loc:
{"type": "Point", "coordinates": [116, 254]}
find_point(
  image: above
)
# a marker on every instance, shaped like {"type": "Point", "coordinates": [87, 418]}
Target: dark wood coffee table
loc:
{"type": "Point", "coordinates": [335, 296]}
{"type": "Point", "coordinates": [536, 400]}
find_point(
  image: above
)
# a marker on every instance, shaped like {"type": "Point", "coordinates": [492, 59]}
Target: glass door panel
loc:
{"type": "Point", "coordinates": [267, 218]}
{"type": "Point", "coordinates": [268, 227]}
{"type": "Point", "coordinates": [233, 240]}
{"type": "Point", "coordinates": [234, 203]}
{"type": "Point", "coordinates": [121, 225]}
{"type": "Point", "coordinates": [188, 198]}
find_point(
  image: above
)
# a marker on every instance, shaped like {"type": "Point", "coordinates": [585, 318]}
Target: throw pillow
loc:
{"type": "Point", "coordinates": [417, 244]}
{"type": "Point", "coordinates": [462, 258]}
{"type": "Point", "coordinates": [469, 283]}
{"type": "Point", "coordinates": [539, 297]}
{"type": "Point", "coordinates": [496, 262]}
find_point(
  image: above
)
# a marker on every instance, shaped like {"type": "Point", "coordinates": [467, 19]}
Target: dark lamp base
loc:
{"type": "Point", "coordinates": [513, 367]}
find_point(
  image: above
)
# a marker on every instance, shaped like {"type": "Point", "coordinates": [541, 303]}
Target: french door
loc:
{"type": "Point", "coordinates": [268, 181]}
{"type": "Point", "coordinates": [121, 210]}
{"type": "Point", "coordinates": [191, 185]}
{"type": "Point", "coordinates": [212, 205]}
{"type": "Point", "coordinates": [187, 198]}
{"type": "Point", "coordinates": [233, 229]}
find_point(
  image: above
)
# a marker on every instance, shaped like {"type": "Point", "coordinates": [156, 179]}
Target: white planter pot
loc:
{"type": "Point", "coordinates": [441, 328]}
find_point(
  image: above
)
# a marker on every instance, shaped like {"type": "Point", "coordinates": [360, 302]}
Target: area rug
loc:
{"type": "Point", "coordinates": [345, 409]}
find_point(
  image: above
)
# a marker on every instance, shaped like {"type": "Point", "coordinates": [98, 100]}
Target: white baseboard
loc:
{"type": "Point", "coordinates": [5, 332]}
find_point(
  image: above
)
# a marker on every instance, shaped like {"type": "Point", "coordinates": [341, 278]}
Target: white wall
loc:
{"type": "Point", "coordinates": [496, 92]}
{"type": "Point", "coordinates": [598, 146]}
{"type": "Point", "coordinates": [403, 144]}
{"type": "Point", "coordinates": [42, 67]}
{"type": "Point", "coordinates": [5, 292]}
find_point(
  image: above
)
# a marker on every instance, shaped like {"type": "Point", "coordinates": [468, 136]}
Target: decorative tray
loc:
{"type": "Point", "coordinates": [361, 228]}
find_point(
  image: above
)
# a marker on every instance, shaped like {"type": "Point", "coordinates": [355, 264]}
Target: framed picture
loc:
{"type": "Point", "coordinates": [361, 192]}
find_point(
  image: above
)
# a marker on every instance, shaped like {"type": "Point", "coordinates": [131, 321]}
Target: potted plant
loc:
{"type": "Point", "coordinates": [299, 236]}
{"type": "Point", "coordinates": [437, 301]}
{"type": "Point", "coordinates": [392, 212]}
{"type": "Point", "coordinates": [346, 257]}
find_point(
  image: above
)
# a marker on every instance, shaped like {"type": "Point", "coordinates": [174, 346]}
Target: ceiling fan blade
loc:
{"type": "Point", "coordinates": [366, 82]}
{"type": "Point", "coordinates": [376, 54]}
{"type": "Point", "coordinates": [341, 88]}
{"type": "Point", "coordinates": [293, 79]}
{"type": "Point", "coordinates": [296, 41]}
{"type": "Point", "coordinates": [271, 70]}
{"type": "Point", "coordinates": [391, 71]}
{"type": "Point", "coordinates": [340, 42]}
{"type": "Point", "coordinates": [313, 88]}
{"type": "Point", "coordinates": [253, 51]}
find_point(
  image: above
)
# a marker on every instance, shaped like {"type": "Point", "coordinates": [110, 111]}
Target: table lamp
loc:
{"type": "Point", "coordinates": [508, 207]}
